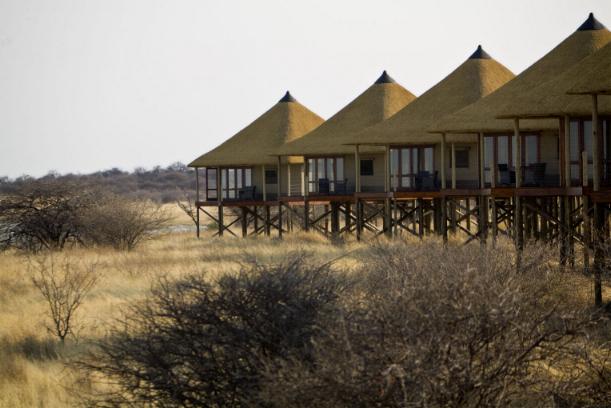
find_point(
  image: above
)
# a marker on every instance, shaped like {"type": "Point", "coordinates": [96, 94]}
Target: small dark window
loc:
{"type": "Point", "coordinates": [462, 157]}
{"type": "Point", "coordinates": [271, 177]}
{"type": "Point", "coordinates": [367, 167]}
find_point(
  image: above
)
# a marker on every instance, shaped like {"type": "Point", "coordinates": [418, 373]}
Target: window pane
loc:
{"type": "Point", "coordinates": [405, 162]}
{"type": "Point", "coordinates": [530, 149]}
{"type": "Point", "coordinates": [330, 171]}
{"type": "Point", "coordinates": [339, 164]}
{"type": "Point", "coordinates": [248, 177]}
{"type": "Point", "coordinates": [239, 178]}
{"type": "Point", "coordinates": [211, 182]}
{"type": "Point", "coordinates": [587, 138]}
{"type": "Point", "coordinates": [406, 181]}
{"type": "Point", "coordinates": [224, 179]}
{"type": "Point", "coordinates": [321, 168]}
{"type": "Point", "coordinates": [428, 159]}
{"type": "Point", "coordinates": [231, 177]}
{"type": "Point", "coordinates": [366, 167]}
{"type": "Point", "coordinates": [502, 143]}
{"type": "Point", "coordinates": [574, 152]}
{"type": "Point", "coordinates": [415, 162]}
{"type": "Point", "coordinates": [394, 162]}
{"type": "Point", "coordinates": [311, 169]}
{"type": "Point", "coordinates": [488, 158]}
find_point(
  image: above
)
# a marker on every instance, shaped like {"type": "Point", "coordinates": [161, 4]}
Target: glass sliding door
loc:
{"type": "Point", "coordinates": [325, 168]}
{"type": "Point", "coordinates": [406, 162]}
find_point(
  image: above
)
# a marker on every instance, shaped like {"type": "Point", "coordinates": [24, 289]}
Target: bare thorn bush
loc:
{"type": "Point", "coordinates": [122, 223]}
{"type": "Point", "coordinates": [64, 283]}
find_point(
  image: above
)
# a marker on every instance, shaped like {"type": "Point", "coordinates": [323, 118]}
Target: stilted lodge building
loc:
{"type": "Point", "coordinates": [482, 152]}
{"type": "Point", "coordinates": [241, 171]}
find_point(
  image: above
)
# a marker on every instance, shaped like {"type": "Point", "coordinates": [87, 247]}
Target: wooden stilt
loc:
{"type": "Point", "coordinates": [444, 220]}
{"type": "Point", "coordinates": [244, 221]}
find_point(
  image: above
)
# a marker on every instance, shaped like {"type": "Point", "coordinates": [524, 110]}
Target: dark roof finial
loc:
{"type": "Point", "coordinates": [287, 98]}
{"type": "Point", "coordinates": [384, 79]}
{"type": "Point", "coordinates": [480, 54]}
{"type": "Point", "coordinates": [591, 24]}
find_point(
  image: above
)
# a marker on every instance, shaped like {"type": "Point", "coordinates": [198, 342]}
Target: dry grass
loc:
{"type": "Point", "coordinates": [33, 369]}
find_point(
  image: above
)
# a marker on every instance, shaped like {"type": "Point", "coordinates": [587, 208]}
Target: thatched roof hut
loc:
{"type": "Point", "coordinates": [380, 101]}
{"type": "Point", "coordinates": [551, 99]}
{"type": "Point", "coordinates": [476, 77]}
{"type": "Point", "coordinates": [482, 115]}
{"type": "Point", "coordinates": [286, 121]}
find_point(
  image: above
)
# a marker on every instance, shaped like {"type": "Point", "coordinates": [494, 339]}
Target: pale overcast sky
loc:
{"type": "Point", "coordinates": [88, 85]}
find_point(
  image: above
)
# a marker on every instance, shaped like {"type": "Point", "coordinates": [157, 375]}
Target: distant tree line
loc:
{"type": "Point", "coordinates": [159, 184]}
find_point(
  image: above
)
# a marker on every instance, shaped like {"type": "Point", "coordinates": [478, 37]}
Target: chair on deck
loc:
{"type": "Point", "coordinates": [426, 180]}
{"type": "Point", "coordinates": [323, 186]}
{"type": "Point", "coordinates": [534, 174]}
{"type": "Point", "coordinates": [504, 175]}
{"type": "Point", "coordinates": [341, 186]}
{"type": "Point", "coordinates": [247, 193]}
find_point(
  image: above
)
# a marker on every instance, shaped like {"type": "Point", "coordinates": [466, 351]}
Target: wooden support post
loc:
{"type": "Point", "coordinates": [595, 145]}
{"type": "Point", "coordinates": [255, 220]}
{"type": "Point", "coordinates": [567, 151]}
{"type": "Point", "coordinates": [443, 163]}
{"type": "Point", "coordinates": [518, 222]}
{"type": "Point", "coordinates": [357, 169]}
{"type": "Point", "coordinates": [468, 218]}
{"type": "Point", "coordinates": [495, 226]}
{"type": "Point", "coordinates": [420, 218]}
{"type": "Point", "coordinates": [599, 252]}
{"type": "Point", "coordinates": [244, 221]}
{"type": "Point", "coordinates": [279, 188]}
{"type": "Point", "coordinates": [263, 186]}
{"type": "Point", "coordinates": [359, 218]}
{"type": "Point", "coordinates": [480, 160]}
{"type": "Point", "coordinates": [348, 217]}
{"type": "Point", "coordinates": [219, 200]}
{"type": "Point", "coordinates": [306, 215]}
{"type": "Point", "coordinates": [334, 219]}
{"type": "Point", "coordinates": [453, 166]}
{"type": "Point", "coordinates": [357, 189]}
{"type": "Point", "coordinates": [444, 219]}
{"type": "Point", "coordinates": [387, 218]}
{"type": "Point", "coordinates": [196, 202]}
{"type": "Point", "coordinates": [268, 220]}
{"type": "Point", "coordinates": [601, 230]}
{"type": "Point", "coordinates": [288, 179]}
{"type": "Point", "coordinates": [387, 174]}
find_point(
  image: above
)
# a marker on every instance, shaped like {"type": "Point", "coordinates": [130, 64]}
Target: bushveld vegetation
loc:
{"type": "Point", "coordinates": [90, 315]}
{"type": "Point", "coordinates": [299, 322]}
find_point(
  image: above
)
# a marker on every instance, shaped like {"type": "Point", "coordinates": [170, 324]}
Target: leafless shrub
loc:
{"type": "Point", "coordinates": [43, 214]}
{"type": "Point", "coordinates": [123, 223]}
{"type": "Point", "coordinates": [64, 284]}
{"type": "Point", "coordinates": [435, 326]}
{"type": "Point", "coordinates": [202, 342]}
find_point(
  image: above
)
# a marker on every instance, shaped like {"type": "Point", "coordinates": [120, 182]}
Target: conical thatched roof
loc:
{"type": "Point", "coordinates": [380, 101]}
{"type": "Point", "coordinates": [551, 99]}
{"type": "Point", "coordinates": [595, 77]}
{"type": "Point", "coordinates": [286, 121]}
{"type": "Point", "coordinates": [476, 77]}
{"type": "Point", "coordinates": [482, 115]}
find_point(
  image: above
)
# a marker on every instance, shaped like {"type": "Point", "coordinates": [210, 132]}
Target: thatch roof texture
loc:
{"type": "Point", "coordinates": [476, 77]}
{"type": "Point", "coordinates": [551, 99]}
{"type": "Point", "coordinates": [379, 102]}
{"type": "Point", "coordinates": [286, 121]}
{"type": "Point", "coordinates": [482, 115]}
